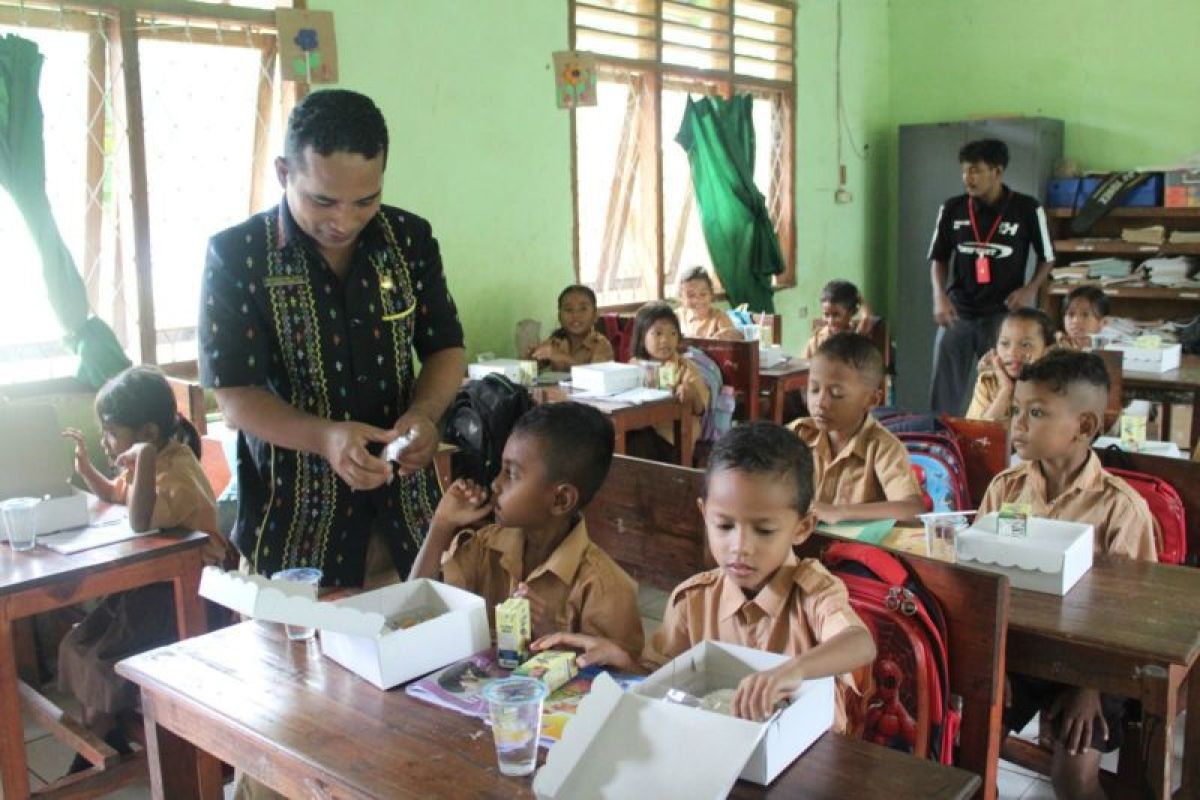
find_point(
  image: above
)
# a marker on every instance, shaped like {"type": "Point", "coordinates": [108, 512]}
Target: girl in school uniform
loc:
{"type": "Point", "coordinates": [1025, 336]}
{"type": "Point", "coordinates": [576, 341]}
{"type": "Point", "coordinates": [842, 310]}
{"type": "Point", "coordinates": [698, 318]}
{"type": "Point", "coordinates": [155, 451]}
{"type": "Point", "coordinates": [657, 338]}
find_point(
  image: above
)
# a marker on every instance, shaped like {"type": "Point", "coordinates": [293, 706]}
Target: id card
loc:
{"type": "Point", "coordinates": [983, 270]}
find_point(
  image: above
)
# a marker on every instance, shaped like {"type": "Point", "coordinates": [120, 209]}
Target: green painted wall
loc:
{"type": "Point", "coordinates": [481, 151]}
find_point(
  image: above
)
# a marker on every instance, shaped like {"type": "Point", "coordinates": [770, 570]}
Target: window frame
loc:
{"type": "Point", "coordinates": [125, 23]}
{"type": "Point", "coordinates": [724, 83]}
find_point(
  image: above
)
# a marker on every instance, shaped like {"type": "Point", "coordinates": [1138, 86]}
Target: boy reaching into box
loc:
{"type": "Point", "coordinates": [1058, 410]}
{"type": "Point", "coordinates": [862, 471]}
{"type": "Point", "coordinates": [756, 509]}
{"type": "Point", "coordinates": [555, 460]}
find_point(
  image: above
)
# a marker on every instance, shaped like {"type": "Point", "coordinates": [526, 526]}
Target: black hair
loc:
{"type": "Point", "coordinates": [1059, 370]}
{"type": "Point", "coordinates": [334, 121]}
{"type": "Point", "coordinates": [647, 315]}
{"type": "Point", "coordinates": [992, 152]}
{"type": "Point", "coordinates": [698, 274]}
{"type": "Point", "coordinates": [577, 444]}
{"type": "Point", "coordinates": [1044, 323]}
{"type": "Point", "coordinates": [1095, 297]}
{"type": "Point", "coordinates": [857, 352]}
{"type": "Point", "coordinates": [842, 293]}
{"type": "Point", "coordinates": [764, 448]}
{"type": "Point", "coordinates": [139, 396]}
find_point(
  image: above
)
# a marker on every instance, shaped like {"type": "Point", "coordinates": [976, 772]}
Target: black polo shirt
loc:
{"type": "Point", "coordinates": [274, 315]}
{"type": "Point", "coordinates": [1023, 225]}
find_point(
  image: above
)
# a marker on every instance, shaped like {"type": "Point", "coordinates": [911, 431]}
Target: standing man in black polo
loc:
{"type": "Point", "coordinates": [310, 316]}
{"type": "Point", "coordinates": [980, 246]}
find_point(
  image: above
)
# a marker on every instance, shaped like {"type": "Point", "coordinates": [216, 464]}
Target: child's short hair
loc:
{"type": "Point", "coordinates": [1095, 297]}
{"type": "Point", "coordinates": [857, 352]}
{"type": "Point", "coordinates": [697, 274]}
{"type": "Point", "coordinates": [1044, 323]}
{"type": "Point", "coordinates": [647, 315]}
{"type": "Point", "coordinates": [1059, 370]}
{"type": "Point", "coordinates": [577, 288]}
{"type": "Point", "coordinates": [139, 396]}
{"type": "Point", "coordinates": [577, 444]}
{"type": "Point", "coordinates": [992, 152]}
{"type": "Point", "coordinates": [764, 448]}
{"type": "Point", "coordinates": [842, 293]}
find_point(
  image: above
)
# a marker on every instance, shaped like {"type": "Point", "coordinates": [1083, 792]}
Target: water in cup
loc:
{"type": "Point", "coordinates": [310, 576]}
{"type": "Point", "coordinates": [515, 710]}
{"type": "Point", "coordinates": [20, 521]}
{"type": "Point", "coordinates": [941, 534]}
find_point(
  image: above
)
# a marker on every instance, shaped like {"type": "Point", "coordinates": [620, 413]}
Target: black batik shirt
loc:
{"type": "Point", "coordinates": [1023, 225]}
{"type": "Point", "coordinates": [273, 315]}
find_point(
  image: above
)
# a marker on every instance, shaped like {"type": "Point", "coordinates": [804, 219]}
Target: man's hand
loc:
{"type": "Point", "coordinates": [423, 444]}
{"type": "Point", "coordinates": [596, 650]}
{"type": "Point", "coordinates": [1020, 298]}
{"type": "Point", "coordinates": [759, 692]}
{"type": "Point", "coordinates": [462, 505]}
{"type": "Point", "coordinates": [344, 446]}
{"type": "Point", "coordinates": [944, 313]}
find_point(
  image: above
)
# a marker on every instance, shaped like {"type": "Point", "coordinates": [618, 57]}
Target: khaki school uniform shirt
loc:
{"type": "Point", "coordinates": [1120, 516]}
{"type": "Point", "coordinates": [987, 386]}
{"type": "Point", "coordinates": [802, 606]}
{"type": "Point", "coordinates": [183, 497]}
{"type": "Point", "coordinates": [586, 591]}
{"type": "Point", "coordinates": [873, 467]}
{"type": "Point", "coordinates": [594, 348]}
{"type": "Point", "coordinates": [715, 325]}
{"type": "Point", "coordinates": [686, 372]}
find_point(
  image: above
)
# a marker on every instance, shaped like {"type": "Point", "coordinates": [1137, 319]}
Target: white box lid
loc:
{"type": "Point", "coordinates": [605, 366]}
{"type": "Point", "coordinates": [1046, 549]}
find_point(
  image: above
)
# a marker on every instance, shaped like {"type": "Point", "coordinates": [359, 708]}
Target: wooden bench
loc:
{"type": "Point", "coordinates": [647, 518]}
{"type": "Point", "coordinates": [985, 448]}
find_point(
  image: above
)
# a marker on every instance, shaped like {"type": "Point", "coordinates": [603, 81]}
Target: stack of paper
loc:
{"type": "Point", "coordinates": [1151, 234]}
{"type": "Point", "coordinates": [1110, 268]}
{"type": "Point", "coordinates": [1185, 237]}
{"type": "Point", "coordinates": [1169, 271]}
{"type": "Point", "coordinates": [1072, 273]}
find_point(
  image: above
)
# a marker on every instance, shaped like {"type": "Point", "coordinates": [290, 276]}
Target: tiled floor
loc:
{"type": "Point", "coordinates": [48, 758]}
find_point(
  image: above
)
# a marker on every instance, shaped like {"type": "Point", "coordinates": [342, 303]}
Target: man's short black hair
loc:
{"type": "Point", "coordinates": [764, 448]}
{"type": "Point", "coordinates": [1059, 370]}
{"type": "Point", "coordinates": [1044, 323]}
{"type": "Point", "coordinates": [841, 293]}
{"type": "Point", "coordinates": [335, 121]}
{"type": "Point", "coordinates": [857, 352]}
{"type": "Point", "coordinates": [1095, 297]}
{"type": "Point", "coordinates": [576, 442]}
{"type": "Point", "coordinates": [992, 152]}
{"type": "Point", "coordinates": [647, 315]}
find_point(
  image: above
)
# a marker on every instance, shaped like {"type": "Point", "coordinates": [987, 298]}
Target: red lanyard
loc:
{"type": "Point", "coordinates": [995, 225]}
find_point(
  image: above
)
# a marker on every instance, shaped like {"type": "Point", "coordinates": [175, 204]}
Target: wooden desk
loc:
{"type": "Point", "coordinates": [306, 727]}
{"type": "Point", "coordinates": [790, 376]}
{"type": "Point", "coordinates": [1184, 379]}
{"type": "Point", "coordinates": [42, 580]}
{"type": "Point", "coordinates": [631, 418]}
{"type": "Point", "coordinates": [1130, 628]}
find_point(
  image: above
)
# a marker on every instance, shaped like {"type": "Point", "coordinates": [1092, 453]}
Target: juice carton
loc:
{"type": "Point", "coordinates": [513, 632]}
{"type": "Point", "coordinates": [552, 667]}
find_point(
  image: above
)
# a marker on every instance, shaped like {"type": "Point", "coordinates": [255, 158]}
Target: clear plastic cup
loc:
{"type": "Point", "coordinates": [306, 575]}
{"type": "Point", "coordinates": [752, 333]}
{"type": "Point", "coordinates": [515, 709]}
{"type": "Point", "coordinates": [20, 521]}
{"type": "Point", "coordinates": [941, 535]}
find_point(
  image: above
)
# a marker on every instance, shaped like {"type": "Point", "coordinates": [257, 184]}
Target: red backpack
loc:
{"type": "Point", "coordinates": [1170, 521]}
{"type": "Point", "coordinates": [909, 706]}
{"type": "Point", "coordinates": [941, 458]}
{"type": "Point", "coordinates": [619, 333]}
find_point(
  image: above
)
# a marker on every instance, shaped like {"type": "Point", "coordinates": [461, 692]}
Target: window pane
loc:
{"type": "Point", "coordinates": [199, 106]}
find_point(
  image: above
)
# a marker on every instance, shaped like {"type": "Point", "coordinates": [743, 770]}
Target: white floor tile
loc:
{"type": "Point", "coordinates": [1040, 790]}
{"type": "Point", "coordinates": [1011, 785]}
{"type": "Point", "coordinates": [1011, 767]}
{"type": "Point", "coordinates": [48, 758]}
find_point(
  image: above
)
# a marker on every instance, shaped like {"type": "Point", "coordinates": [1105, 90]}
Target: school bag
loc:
{"type": "Point", "coordinates": [480, 420]}
{"type": "Point", "coordinates": [619, 332]}
{"type": "Point", "coordinates": [1170, 519]}
{"type": "Point", "coordinates": [909, 707]}
{"type": "Point", "coordinates": [945, 469]}
{"type": "Point", "coordinates": [710, 373]}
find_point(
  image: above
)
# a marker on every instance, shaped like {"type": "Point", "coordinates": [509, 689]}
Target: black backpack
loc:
{"type": "Point", "coordinates": [482, 416]}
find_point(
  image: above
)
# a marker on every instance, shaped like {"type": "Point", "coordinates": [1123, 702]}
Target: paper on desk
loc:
{"type": "Point", "coordinates": [873, 532]}
{"type": "Point", "coordinates": [629, 397]}
{"type": "Point", "coordinates": [109, 525]}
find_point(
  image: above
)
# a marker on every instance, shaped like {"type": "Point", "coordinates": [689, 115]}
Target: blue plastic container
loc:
{"type": "Point", "coordinates": [1073, 192]}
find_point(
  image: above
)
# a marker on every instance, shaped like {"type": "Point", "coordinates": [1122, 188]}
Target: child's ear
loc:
{"type": "Point", "coordinates": [566, 500]}
{"type": "Point", "coordinates": [804, 528]}
{"type": "Point", "coordinates": [1091, 424]}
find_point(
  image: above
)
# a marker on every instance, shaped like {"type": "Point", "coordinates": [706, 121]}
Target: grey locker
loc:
{"type": "Point", "coordinates": [930, 174]}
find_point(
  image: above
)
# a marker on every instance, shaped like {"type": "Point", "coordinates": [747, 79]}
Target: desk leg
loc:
{"type": "Point", "coordinates": [1161, 752]}
{"type": "Point", "coordinates": [618, 438]}
{"type": "Point", "coordinates": [1194, 433]}
{"type": "Point", "coordinates": [685, 436]}
{"type": "Point", "coordinates": [190, 619]}
{"type": "Point", "coordinates": [1191, 736]}
{"type": "Point", "coordinates": [178, 769]}
{"type": "Point", "coordinates": [777, 396]}
{"type": "Point", "coordinates": [14, 778]}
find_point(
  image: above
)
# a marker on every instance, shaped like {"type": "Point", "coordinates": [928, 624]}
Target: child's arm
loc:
{"type": "Point", "coordinates": [691, 389]}
{"type": "Point", "coordinates": [757, 694]}
{"type": "Point", "coordinates": [1001, 404]}
{"type": "Point", "coordinates": [463, 504]}
{"type": "Point", "coordinates": [99, 485]}
{"type": "Point", "coordinates": [142, 461]}
{"type": "Point", "coordinates": [595, 651]}
{"type": "Point", "coordinates": [905, 508]}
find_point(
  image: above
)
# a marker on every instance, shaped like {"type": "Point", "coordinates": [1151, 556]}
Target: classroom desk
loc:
{"type": "Point", "coordinates": [1130, 628]}
{"type": "Point", "coordinates": [306, 727]}
{"type": "Point", "coordinates": [627, 418]}
{"type": "Point", "coordinates": [42, 580]}
{"type": "Point", "coordinates": [777, 381]}
{"type": "Point", "coordinates": [1185, 379]}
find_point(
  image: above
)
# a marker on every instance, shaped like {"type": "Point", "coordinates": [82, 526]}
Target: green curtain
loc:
{"type": "Point", "coordinates": [718, 136]}
{"type": "Point", "coordinates": [23, 174]}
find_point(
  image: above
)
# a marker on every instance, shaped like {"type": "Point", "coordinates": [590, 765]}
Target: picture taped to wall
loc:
{"type": "Point", "coordinates": [307, 46]}
{"type": "Point", "coordinates": [575, 78]}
